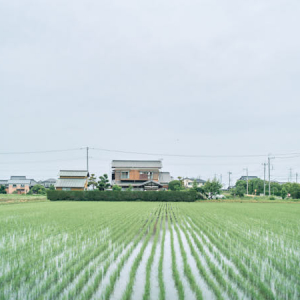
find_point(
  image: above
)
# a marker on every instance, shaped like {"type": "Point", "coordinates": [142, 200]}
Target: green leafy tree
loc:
{"type": "Point", "coordinates": [52, 188]}
{"type": "Point", "coordinates": [2, 189]}
{"type": "Point", "coordinates": [212, 187]}
{"type": "Point", "coordinates": [38, 189]}
{"type": "Point", "coordinates": [195, 185]}
{"type": "Point", "coordinates": [103, 183]}
{"type": "Point", "coordinates": [130, 188]}
{"type": "Point", "coordinates": [116, 188]}
{"type": "Point", "coordinates": [295, 190]}
{"type": "Point", "coordinates": [175, 185]}
{"type": "Point", "coordinates": [283, 193]}
{"type": "Point", "coordinates": [92, 181]}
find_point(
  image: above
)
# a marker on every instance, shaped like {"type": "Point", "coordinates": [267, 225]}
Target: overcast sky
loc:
{"type": "Point", "coordinates": [169, 77]}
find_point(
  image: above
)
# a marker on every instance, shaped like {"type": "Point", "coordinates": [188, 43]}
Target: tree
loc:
{"type": "Point", "coordinates": [212, 187]}
{"type": "Point", "coordinates": [52, 188]}
{"type": "Point", "coordinates": [2, 189]}
{"type": "Point", "coordinates": [175, 185]}
{"type": "Point", "coordinates": [195, 185]}
{"type": "Point", "coordinates": [38, 189]}
{"type": "Point", "coordinates": [295, 190]}
{"type": "Point", "coordinates": [92, 181]}
{"type": "Point", "coordinates": [130, 188]}
{"type": "Point", "coordinates": [103, 183]}
{"type": "Point", "coordinates": [283, 193]}
{"type": "Point", "coordinates": [116, 188]}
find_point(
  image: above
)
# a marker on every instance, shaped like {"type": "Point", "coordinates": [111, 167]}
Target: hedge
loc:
{"type": "Point", "coordinates": [163, 196]}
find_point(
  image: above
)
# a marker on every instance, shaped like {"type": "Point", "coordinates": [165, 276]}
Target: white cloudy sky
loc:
{"type": "Point", "coordinates": [169, 77]}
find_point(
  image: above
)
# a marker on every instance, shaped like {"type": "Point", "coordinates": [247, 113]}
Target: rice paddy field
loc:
{"type": "Point", "coordinates": [105, 250]}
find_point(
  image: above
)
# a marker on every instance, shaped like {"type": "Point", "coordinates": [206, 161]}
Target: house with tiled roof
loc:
{"type": "Point", "coordinates": [140, 174]}
{"type": "Point", "coordinates": [72, 180]}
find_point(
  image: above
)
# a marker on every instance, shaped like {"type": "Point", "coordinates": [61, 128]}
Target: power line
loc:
{"type": "Point", "coordinates": [192, 155]}
{"type": "Point", "coordinates": [37, 152]}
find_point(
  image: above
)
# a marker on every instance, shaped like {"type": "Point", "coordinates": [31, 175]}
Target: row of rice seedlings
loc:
{"type": "Point", "coordinates": [175, 273]}
{"type": "Point", "coordinates": [202, 270]}
{"type": "Point", "coordinates": [15, 279]}
{"type": "Point", "coordinates": [128, 291]}
{"type": "Point", "coordinates": [104, 251]}
{"type": "Point", "coordinates": [162, 290]}
{"type": "Point", "coordinates": [240, 281]}
{"type": "Point", "coordinates": [146, 295]}
{"type": "Point", "coordinates": [280, 265]}
{"type": "Point", "coordinates": [73, 266]}
{"type": "Point", "coordinates": [226, 286]}
{"type": "Point", "coordinates": [93, 266]}
{"type": "Point", "coordinates": [187, 269]}
{"type": "Point", "coordinates": [113, 278]}
{"type": "Point", "coordinates": [219, 242]}
{"type": "Point", "coordinates": [73, 253]}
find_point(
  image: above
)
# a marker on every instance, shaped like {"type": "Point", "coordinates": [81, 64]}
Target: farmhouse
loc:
{"type": "Point", "coordinates": [72, 180]}
{"type": "Point", "coordinates": [140, 174]}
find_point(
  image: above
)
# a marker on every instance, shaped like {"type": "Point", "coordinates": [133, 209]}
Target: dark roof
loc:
{"type": "Point", "coordinates": [198, 180]}
{"type": "Point", "coordinates": [17, 177]}
{"type": "Point", "coordinates": [136, 164]}
{"type": "Point", "coordinates": [249, 177]}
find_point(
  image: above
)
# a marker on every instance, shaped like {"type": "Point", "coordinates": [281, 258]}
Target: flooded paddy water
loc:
{"type": "Point", "coordinates": [94, 257]}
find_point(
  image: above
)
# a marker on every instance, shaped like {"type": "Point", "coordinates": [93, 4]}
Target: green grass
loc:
{"type": "Point", "coordinates": [77, 250]}
{"type": "Point", "coordinates": [15, 198]}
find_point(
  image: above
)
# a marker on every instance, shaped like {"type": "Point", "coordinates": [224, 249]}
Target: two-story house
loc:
{"type": "Point", "coordinates": [140, 174]}
{"type": "Point", "coordinates": [72, 180]}
{"type": "Point", "coordinates": [188, 182]}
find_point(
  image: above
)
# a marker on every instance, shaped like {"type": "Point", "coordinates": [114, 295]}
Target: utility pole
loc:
{"type": "Point", "coordinates": [291, 175]}
{"type": "Point", "coordinates": [296, 177]}
{"type": "Point", "coordinates": [221, 178]}
{"type": "Point", "coordinates": [264, 164]}
{"type": "Point", "coordinates": [229, 173]}
{"type": "Point", "coordinates": [247, 180]}
{"type": "Point", "coordinates": [87, 158]}
{"type": "Point", "coordinates": [269, 167]}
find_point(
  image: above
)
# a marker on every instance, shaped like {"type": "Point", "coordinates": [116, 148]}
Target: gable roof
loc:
{"type": "Point", "coordinates": [198, 180]}
{"type": "Point", "coordinates": [73, 173]}
{"type": "Point", "coordinates": [249, 177]}
{"type": "Point", "coordinates": [20, 181]}
{"type": "Point", "coordinates": [71, 183]}
{"type": "Point", "coordinates": [17, 177]}
{"type": "Point", "coordinates": [150, 182]}
{"type": "Point", "coordinates": [136, 164]}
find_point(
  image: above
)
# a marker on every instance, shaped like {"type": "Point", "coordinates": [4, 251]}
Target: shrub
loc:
{"type": "Point", "coordinates": [160, 196]}
{"type": "Point", "coordinates": [272, 198]}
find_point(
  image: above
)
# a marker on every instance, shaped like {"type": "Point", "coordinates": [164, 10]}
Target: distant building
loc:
{"type": "Point", "coordinates": [72, 180]}
{"type": "Point", "coordinates": [47, 183]}
{"type": "Point", "coordinates": [140, 174]}
{"type": "Point", "coordinates": [188, 182]}
{"type": "Point", "coordinates": [165, 178]}
{"type": "Point", "coordinates": [19, 184]}
{"type": "Point", "coordinates": [249, 178]}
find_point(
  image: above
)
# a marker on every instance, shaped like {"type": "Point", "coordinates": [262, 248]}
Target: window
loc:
{"type": "Point", "coordinates": [124, 175]}
{"type": "Point", "coordinates": [14, 185]}
{"type": "Point", "coordinates": [66, 189]}
{"type": "Point", "coordinates": [190, 183]}
{"type": "Point", "coordinates": [148, 174]}
{"type": "Point", "coordinates": [22, 185]}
